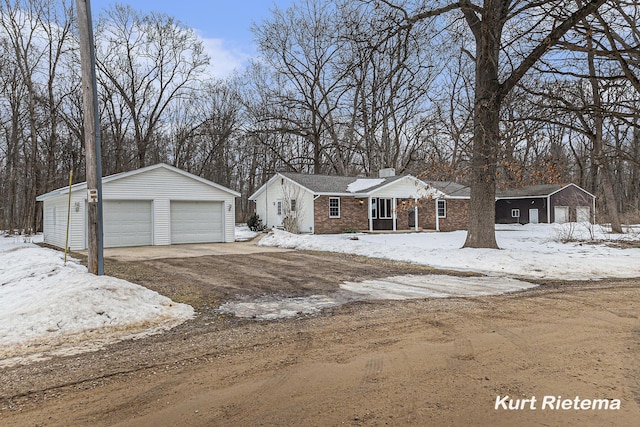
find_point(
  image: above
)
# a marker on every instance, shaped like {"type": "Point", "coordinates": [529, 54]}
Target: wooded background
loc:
{"type": "Point", "coordinates": [340, 87]}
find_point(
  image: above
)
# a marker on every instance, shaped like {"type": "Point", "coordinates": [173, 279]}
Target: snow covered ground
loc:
{"type": "Point", "coordinates": [532, 251]}
{"type": "Point", "coordinates": [48, 308]}
{"type": "Point", "coordinates": [243, 233]}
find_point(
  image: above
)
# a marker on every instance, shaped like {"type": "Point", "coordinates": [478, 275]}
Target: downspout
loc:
{"type": "Point", "coordinates": [415, 213]}
{"type": "Point", "coordinates": [394, 216]}
{"type": "Point", "coordinates": [369, 215]}
{"type": "Point", "coordinates": [66, 242]}
{"type": "Point", "coordinates": [548, 209]}
{"type": "Point", "coordinates": [437, 217]}
{"type": "Point", "coordinates": [266, 204]}
{"type": "Point", "coordinates": [313, 212]}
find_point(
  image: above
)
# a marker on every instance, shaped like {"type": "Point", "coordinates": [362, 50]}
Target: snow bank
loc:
{"type": "Point", "coordinates": [532, 251]}
{"type": "Point", "coordinates": [48, 308]}
{"type": "Point", "coordinates": [243, 233]}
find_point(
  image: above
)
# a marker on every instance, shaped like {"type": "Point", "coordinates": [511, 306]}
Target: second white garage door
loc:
{"type": "Point", "coordinates": [197, 222]}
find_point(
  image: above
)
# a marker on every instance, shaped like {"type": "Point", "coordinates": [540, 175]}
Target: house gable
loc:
{"type": "Point", "coordinates": [135, 176]}
{"type": "Point", "coordinates": [405, 187]}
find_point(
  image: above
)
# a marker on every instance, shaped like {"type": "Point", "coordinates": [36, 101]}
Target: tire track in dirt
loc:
{"type": "Point", "coordinates": [372, 370]}
{"type": "Point", "coordinates": [633, 371]}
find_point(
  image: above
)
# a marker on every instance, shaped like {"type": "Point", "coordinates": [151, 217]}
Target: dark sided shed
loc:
{"type": "Point", "coordinates": [545, 203]}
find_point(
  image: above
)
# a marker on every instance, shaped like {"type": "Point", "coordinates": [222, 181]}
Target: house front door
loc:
{"type": "Point", "coordinates": [384, 214]}
{"type": "Point", "coordinates": [533, 216]}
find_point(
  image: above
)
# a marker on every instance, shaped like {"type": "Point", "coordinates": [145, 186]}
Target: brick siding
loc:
{"type": "Point", "coordinates": [352, 215]}
{"type": "Point", "coordinates": [457, 215]}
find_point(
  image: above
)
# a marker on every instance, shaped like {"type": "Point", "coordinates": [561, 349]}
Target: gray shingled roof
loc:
{"type": "Point", "coordinates": [542, 190]}
{"type": "Point", "coordinates": [451, 188]}
{"type": "Point", "coordinates": [332, 184]}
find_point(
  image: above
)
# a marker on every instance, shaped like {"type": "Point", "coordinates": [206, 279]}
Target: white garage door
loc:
{"type": "Point", "coordinates": [583, 214]}
{"type": "Point", "coordinates": [196, 222]}
{"type": "Point", "coordinates": [127, 223]}
{"type": "Point", "coordinates": [561, 214]}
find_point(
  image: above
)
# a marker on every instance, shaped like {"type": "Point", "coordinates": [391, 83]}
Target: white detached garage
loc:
{"type": "Point", "coordinates": [156, 205]}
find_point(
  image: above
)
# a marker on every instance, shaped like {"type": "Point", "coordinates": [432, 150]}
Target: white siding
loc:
{"type": "Point", "coordinates": [281, 189]}
{"type": "Point", "coordinates": [163, 185]}
{"type": "Point", "coordinates": [55, 234]}
{"type": "Point", "coordinates": [403, 188]}
{"type": "Point", "coordinates": [159, 185]}
{"type": "Point", "coordinates": [162, 222]}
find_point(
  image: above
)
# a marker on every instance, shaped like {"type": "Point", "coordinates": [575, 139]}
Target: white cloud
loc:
{"type": "Point", "coordinates": [224, 60]}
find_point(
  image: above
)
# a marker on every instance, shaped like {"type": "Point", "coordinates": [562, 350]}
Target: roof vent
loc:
{"type": "Point", "coordinates": [387, 172]}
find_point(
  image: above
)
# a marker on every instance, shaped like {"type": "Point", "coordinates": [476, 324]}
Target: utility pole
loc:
{"type": "Point", "coordinates": [91, 137]}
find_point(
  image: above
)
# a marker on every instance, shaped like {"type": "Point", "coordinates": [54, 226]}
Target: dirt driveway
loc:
{"type": "Point", "coordinates": [419, 362]}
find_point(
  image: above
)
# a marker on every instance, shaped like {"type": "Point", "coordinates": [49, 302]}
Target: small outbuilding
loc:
{"type": "Point", "coordinates": [545, 204]}
{"type": "Point", "coordinates": [155, 205]}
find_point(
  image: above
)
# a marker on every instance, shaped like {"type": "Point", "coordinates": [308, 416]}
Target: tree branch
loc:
{"type": "Point", "coordinates": [553, 38]}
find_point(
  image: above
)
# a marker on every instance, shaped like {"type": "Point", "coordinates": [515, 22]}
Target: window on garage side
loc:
{"type": "Point", "coordinates": [334, 207]}
{"type": "Point", "coordinates": [515, 213]}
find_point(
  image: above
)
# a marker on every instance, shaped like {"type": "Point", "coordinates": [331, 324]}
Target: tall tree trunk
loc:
{"type": "Point", "coordinates": [599, 159]}
{"type": "Point", "coordinates": [486, 123]}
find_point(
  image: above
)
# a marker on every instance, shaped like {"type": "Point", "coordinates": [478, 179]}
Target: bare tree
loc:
{"type": "Point", "coordinates": [510, 38]}
{"type": "Point", "coordinates": [37, 37]}
{"type": "Point", "coordinates": [147, 61]}
{"type": "Point", "coordinates": [389, 82]}
{"type": "Point", "coordinates": [301, 47]}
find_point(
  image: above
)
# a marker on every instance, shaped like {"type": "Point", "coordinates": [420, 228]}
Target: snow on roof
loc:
{"type": "Point", "coordinates": [361, 184]}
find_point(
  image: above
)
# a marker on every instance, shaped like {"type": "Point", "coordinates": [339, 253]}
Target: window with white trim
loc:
{"type": "Point", "coordinates": [515, 213]}
{"type": "Point", "coordinates": [293, 205]}
{"type": "Point", "coordinates": [442, 208]}
{"type": "Point", "coordinates": [334, 207]}
{"type": "Point", "coordinates": [374, 208]}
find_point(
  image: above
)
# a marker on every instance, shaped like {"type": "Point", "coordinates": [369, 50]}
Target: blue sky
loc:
{"type": "Point", "coordinates": [224, 26]}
